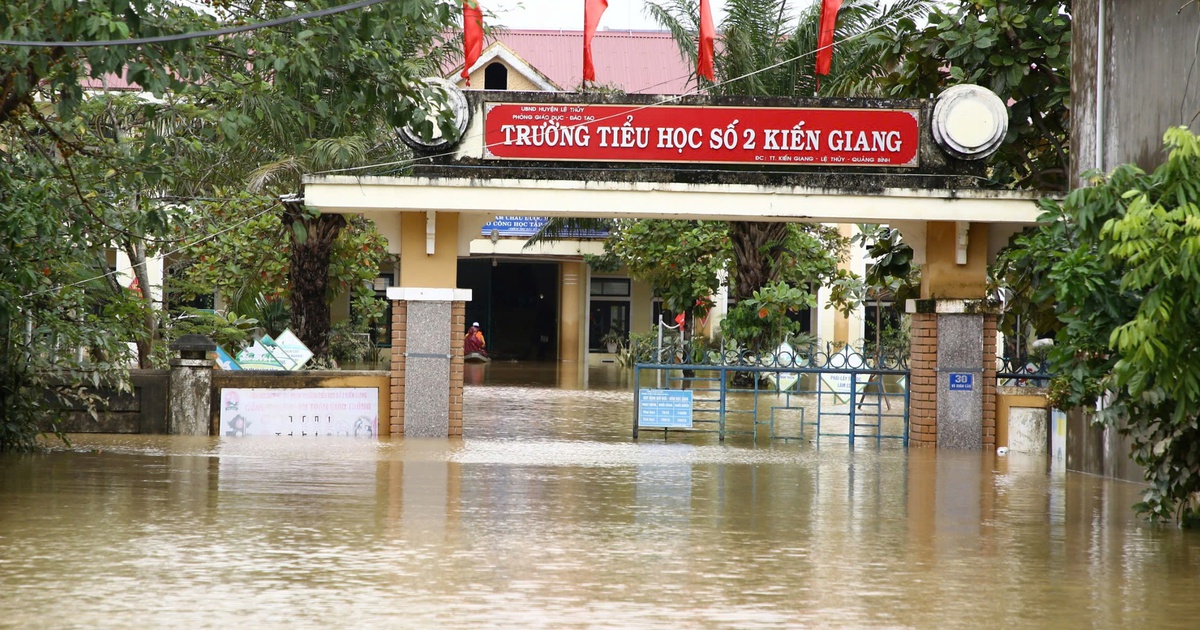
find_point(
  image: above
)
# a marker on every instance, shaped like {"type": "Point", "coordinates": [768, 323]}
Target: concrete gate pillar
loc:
{"type": "Point", "coordinates": [428, 324]}
{"type": "Point", "coordinates": [953, 358]}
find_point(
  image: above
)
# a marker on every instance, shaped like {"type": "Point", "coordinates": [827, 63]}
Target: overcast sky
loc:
{"type": "Point", "coordinates": [568, 14]}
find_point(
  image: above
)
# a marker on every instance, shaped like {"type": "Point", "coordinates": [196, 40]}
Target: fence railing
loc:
{"type": "Point", "coordinates": [808, 393]}
{"type": "Point", "coordinates": [1023, 372]}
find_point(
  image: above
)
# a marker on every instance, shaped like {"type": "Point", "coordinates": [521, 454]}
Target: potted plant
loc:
{"type": "Point", "coordinates": [613, 339]}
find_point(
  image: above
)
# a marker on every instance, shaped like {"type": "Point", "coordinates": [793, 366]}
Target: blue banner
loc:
{"type": "Point", "coordinates": [528, 226]}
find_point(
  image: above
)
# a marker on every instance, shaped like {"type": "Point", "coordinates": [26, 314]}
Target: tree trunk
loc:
{"type": "Point", "coordinates": [309, 274]}
{"type": "Point", "coordinates": [757, 246]}
{"type": "Point", "coordinates": [136, 251]}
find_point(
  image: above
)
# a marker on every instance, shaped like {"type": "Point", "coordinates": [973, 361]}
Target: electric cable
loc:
{"type": "Point", "coordinates": [195, 35]}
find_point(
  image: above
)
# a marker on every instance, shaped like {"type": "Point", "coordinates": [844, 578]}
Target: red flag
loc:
{"type": "Point", "coordinates": [592, 10]}
{"type": "Point", "coordinates": [472, 36]}
{"type": "Point", "coordinates": [704, 61]}
{"type": "Point", "coordinates": [829, 11]}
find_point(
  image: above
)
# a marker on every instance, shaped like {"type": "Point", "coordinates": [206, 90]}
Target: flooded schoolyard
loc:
{"type": "Point", "coordinates": [547, 514]}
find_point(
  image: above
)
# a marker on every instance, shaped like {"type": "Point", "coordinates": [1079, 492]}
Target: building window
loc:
{"type": "Point", "coordinates": [610, 287]}
{"type": "Point", "coordinates": [495, 76]}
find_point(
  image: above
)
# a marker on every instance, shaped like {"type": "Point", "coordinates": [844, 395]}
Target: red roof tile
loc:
{"type": "Point", "coordinates": [112, 82]}
{"type": "Point", "coordinates": [636, 61]}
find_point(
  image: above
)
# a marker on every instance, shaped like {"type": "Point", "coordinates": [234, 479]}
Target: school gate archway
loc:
{"type": "Point", "coordinates": [903, 163]}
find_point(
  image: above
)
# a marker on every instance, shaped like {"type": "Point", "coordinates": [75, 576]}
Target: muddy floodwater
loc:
{"type": "Point", "coordinates": [547, 514]}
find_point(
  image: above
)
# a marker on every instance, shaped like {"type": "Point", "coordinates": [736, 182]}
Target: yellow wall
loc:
{"type": "Point", "coordinates": [641, 307]}
{"type": "Point", "coordinates": [419, 269]}
{"type": "Point", "coordinates": [1005, 403]}
{"type": "Point", "coordinates": [573, 276]}
{"type": "Point", "coordinates": [941, 276]}
{"type": "Point", "coordinates": [516, 81]}
{"type": "Point", "coordinates": [841, 324]}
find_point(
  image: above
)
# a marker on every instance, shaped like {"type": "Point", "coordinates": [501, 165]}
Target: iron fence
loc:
{"type": "Point", "coordinates": [810, 392]}
{"type": "Point", "coordinates": [1023, 372]}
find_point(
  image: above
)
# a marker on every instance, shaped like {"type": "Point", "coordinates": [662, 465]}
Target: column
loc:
{"type": "Point", "coordinates": [569, 311]}
{"type": "Point", "coordinates": [190, 392]}
{"type": "Point", "coordinates": [428, 323]}
{"type": "Point", "coordinates": [953, 342]}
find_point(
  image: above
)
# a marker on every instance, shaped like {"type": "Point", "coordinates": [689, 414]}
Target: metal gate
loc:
{"type": "Point", "coordinates": [805, 393]}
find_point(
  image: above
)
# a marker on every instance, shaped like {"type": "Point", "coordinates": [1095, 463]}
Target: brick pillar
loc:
{"type": "Point", "coordinates": [399, 326]}
{"type": "Point", "coordinates": [989, 381]}
{"type": "Point", "coordinates": [953, 372]}
{"type": "Point", "coordinates": [922, 411]}
{"type": "Point", "coordinates": [458, 324]}
{"type": "Point", "coordinates": [427, 361]}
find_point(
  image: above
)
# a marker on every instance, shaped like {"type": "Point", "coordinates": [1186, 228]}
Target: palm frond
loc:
{"type": "Point", "coordinates": [284, 173]}
{"type": "Point", "coordinates": [679, 18]}
{"type": "Point", "coordinates": [562, 228]}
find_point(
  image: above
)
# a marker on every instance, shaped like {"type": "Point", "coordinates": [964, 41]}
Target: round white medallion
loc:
{"type": "Point", "coordinates": [969, 121]}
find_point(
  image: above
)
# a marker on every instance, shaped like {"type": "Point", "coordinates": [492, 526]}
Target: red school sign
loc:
{"type": "Point", "coordinates": [668, 133]}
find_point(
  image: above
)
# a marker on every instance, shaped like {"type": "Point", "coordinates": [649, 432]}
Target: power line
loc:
{"type": "Point", "coordinates": [196, 35]}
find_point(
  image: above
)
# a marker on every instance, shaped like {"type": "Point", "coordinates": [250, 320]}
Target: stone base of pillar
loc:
{"type": "Point", "coordinates": [427, 361]}
{"type": "Point", "coordinates": [952, 374]}
{"type": "Point", "coordinates": [190, 403]}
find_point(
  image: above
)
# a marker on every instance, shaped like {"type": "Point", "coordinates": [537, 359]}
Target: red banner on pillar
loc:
{"type": "Point", "coordinates": [664, 133]}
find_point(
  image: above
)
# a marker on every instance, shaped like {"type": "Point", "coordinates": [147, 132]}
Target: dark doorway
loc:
{"type": "Point", "coordinates": [516, 305]}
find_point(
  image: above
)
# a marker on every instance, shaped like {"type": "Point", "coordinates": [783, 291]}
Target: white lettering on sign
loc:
{"type": "Point", "coordinates": [783, 136]}
{"type": "Point", "coordinates": [875, 141]}
{"type": "Point", "coordinates": [549, 134]}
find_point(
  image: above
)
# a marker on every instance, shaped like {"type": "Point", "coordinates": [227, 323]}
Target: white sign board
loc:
{"type": "Point", "coordinates": [668, 408]}
{"type": "Point", "coordinates": [258, 357]}
{"type": "Point", "coordinates": [312, 412]}
{"type": "Point", "coordinates": [295, 348]}
{"type": "Point", "coordinates": [837, 384]}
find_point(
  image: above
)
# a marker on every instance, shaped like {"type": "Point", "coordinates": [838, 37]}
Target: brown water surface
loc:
{"type": "Point", "coordinates": [547, 514]}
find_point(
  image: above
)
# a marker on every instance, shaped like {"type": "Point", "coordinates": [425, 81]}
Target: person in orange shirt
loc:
{"type": "Point", "coordinates": [474, 342]}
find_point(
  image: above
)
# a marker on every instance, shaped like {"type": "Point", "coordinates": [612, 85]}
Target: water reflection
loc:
{"type": "Point", "coordinates": [547, 514]}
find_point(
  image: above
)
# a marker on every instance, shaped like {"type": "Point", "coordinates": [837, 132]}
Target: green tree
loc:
{"type": "Point", "coordinates": [681, 260]}
{"type": "Point", "coordinates": [102, 171]}
{"type": "Point", "coordinates": [1019, 49]}
{"type": "Point", "coordinates": [1120, 260]}
{"type": "Point", "coordinates": [684, 261]}
{"type": "Point", "coordinates": [67, 193]}
{"type": "Point", "coordinates": [317, 95]}
{"type": "Point", "coordinates": [891, 272]}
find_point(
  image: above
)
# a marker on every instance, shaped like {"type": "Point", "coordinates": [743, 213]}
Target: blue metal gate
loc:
{"type": "Point", "coordinates": [791, 394]}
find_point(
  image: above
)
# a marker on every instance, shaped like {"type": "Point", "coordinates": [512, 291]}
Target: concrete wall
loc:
{"type": "Point", "coordinates": [1098, 450]}
{"type": "Point", "coordinates": [1147, 49]}
{"type": "Point", "coordinates": [1134, 73]}
{"type": "Point", "coordinates": [144, 410]}
{"type": "Point", "coordinates": [1023, 419]}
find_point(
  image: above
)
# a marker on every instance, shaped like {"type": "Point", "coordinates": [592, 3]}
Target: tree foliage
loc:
{"type": "Point", "coordinates": [681, 260]}
{"type": "Point", "coordinates": [1120, 262]}
{"type": "Point", "coordinates": [685, 262]}
{"type": "Point", "coordinates": [766, 52]}
{"type": "Point", "coordinates": [84, 174]}
{"type": "Point", "coordinates": [1019, 49]}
